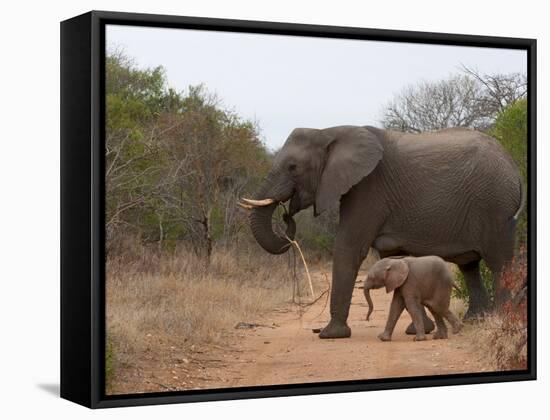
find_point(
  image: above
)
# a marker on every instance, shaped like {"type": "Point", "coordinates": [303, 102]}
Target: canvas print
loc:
{"type": "Point", "coordinates": [297, 210]}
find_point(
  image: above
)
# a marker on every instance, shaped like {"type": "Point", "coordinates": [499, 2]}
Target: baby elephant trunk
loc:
{"type": "Point", "coordinates": [366, 290]}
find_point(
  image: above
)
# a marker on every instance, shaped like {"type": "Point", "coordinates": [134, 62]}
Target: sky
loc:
{"type": "Point", "coordinates": [284, 82]}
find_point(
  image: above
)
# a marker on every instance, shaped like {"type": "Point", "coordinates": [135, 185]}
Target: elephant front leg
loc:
{"type": "Point", "coordinates": [344, 273]}
{"type": "Point", "coordinates": [396, 309]}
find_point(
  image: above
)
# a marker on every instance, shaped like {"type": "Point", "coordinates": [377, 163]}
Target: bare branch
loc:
{"type": "Point", "coordinates": [465, 100]}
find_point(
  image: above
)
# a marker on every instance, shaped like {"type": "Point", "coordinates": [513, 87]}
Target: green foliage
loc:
{"type": "Point", "coordinates": [486, 278]}
{"type": "Point", "coordinates": [510, 129]}
{"type": "Point", "coordinates": [135, 96]}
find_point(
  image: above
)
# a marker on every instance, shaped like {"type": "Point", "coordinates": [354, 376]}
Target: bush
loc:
{"type": "Point", "coordinates": [510, 129]}
{"type": "Point", "coordinates": [502, 335]}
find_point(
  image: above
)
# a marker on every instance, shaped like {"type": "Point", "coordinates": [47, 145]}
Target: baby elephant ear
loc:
{"type": "Point", "coordinates": [396, 274]}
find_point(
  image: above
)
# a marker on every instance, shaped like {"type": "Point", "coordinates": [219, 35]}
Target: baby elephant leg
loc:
{"type": "Point", "coordinates": [396, 308]}
{"type": "Point", "coordinates": [415, 309]}
{"type": "Point", "coordinates": [441, 331]}
{"type": "Point", "coordinates": [455, 322]}
{"type": "Point", "coordinates": [428, 325]}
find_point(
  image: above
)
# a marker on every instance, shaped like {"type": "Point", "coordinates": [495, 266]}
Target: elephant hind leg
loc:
{"type": "Point", "coordinates": [441, 331]}
{"type": "Point", "coordinates": [497, 262]}
{"type": "Point", "coordinates": [478, 298]}
{"type": "Point", "coordinates": [453, 320]}
{"type": "Point", "coordinates": [498, 253]}
{"type": "Point", "coordinates": [429, 325]}
{"type": "Point", "coordinates": [500, 292]}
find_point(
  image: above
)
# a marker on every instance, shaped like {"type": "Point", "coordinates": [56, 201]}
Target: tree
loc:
{"type": "Point", "coordinates": [499, 90]}
{"type": "Point", "coordinates": [176, 162]}
{"type": "Point", "coordinates": [469, 99]}
{"type": "Point", "coordinates": [134, 99]}
{"type": "Point", "coordinates": [212, 157]}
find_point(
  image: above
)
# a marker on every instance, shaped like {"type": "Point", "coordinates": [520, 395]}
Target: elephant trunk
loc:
{"type": "Point", "coordinates": [366, 290]}
{"type": "Point", "coordinates": [261, 219]}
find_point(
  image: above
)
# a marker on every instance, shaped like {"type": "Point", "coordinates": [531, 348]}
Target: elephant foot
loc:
{"type": "Point", "coordinates": [420, 337]}
{"type": "Point", "coordinates": [384, 336]}
{"type": "Point", "coordinates": [335, 330]}
{"type": "Point", "coordinates": [429, 326]}
{"type": "Point", "coordinates": [440, 335]}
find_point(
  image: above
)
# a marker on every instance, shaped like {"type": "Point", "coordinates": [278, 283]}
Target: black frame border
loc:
{"type": "Point", "coordinates": [83, 200]}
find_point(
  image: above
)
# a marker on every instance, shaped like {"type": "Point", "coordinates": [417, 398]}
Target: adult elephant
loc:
{"type": "Point", "coordinates": [454, 193]}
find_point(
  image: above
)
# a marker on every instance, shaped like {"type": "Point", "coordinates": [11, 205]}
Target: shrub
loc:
{"type": "Point", "coordinates": [503, 334]}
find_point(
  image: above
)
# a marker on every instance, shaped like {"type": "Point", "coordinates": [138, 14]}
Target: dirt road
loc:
{"type": "Point", "coordinates": [283, 349]}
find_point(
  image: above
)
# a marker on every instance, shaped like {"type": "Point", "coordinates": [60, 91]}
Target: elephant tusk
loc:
{"type": "Point", "coordinates": [245, 206]}
{"type": "Point", "coordinates": [258, 203]}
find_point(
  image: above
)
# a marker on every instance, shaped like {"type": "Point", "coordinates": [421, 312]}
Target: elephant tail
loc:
{"type": "Point", "coordinates": [522, 201]}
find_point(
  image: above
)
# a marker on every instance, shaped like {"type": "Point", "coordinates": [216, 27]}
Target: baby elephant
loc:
{"type": "Point", "coordinates": [415, 282]}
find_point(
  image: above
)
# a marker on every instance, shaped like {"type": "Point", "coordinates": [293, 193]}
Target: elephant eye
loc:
{"type": "Point", "coordinates": [292, 167]}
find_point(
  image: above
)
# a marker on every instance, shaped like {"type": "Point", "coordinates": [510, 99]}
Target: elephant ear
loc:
{"type": "Point", "coordinates": [352, 154]}
{"type": "Point", "coordinates": [396, 274]}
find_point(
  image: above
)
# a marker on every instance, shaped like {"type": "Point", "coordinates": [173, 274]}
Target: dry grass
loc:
{"type": "Point", "coordinates": [155, 302]}
{"type": "Point", "coordinates": [502, 346]}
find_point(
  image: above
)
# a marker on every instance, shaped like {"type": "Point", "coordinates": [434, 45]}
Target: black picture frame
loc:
{"type": "Point", "coordinates": [83, 199]}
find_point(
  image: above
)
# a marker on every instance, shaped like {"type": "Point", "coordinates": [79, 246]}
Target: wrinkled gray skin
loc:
{"type": "Point", "coordinates": [454, 193]}
{"type": "Point", "coordinates": [415, 283]}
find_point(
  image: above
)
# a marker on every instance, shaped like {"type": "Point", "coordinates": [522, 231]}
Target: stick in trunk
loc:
{"type": "Point", "coordinates": [293, 242]}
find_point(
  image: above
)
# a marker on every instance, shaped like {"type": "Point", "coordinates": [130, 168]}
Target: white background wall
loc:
{"type": "Point", "coordinates": [29, 209]}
